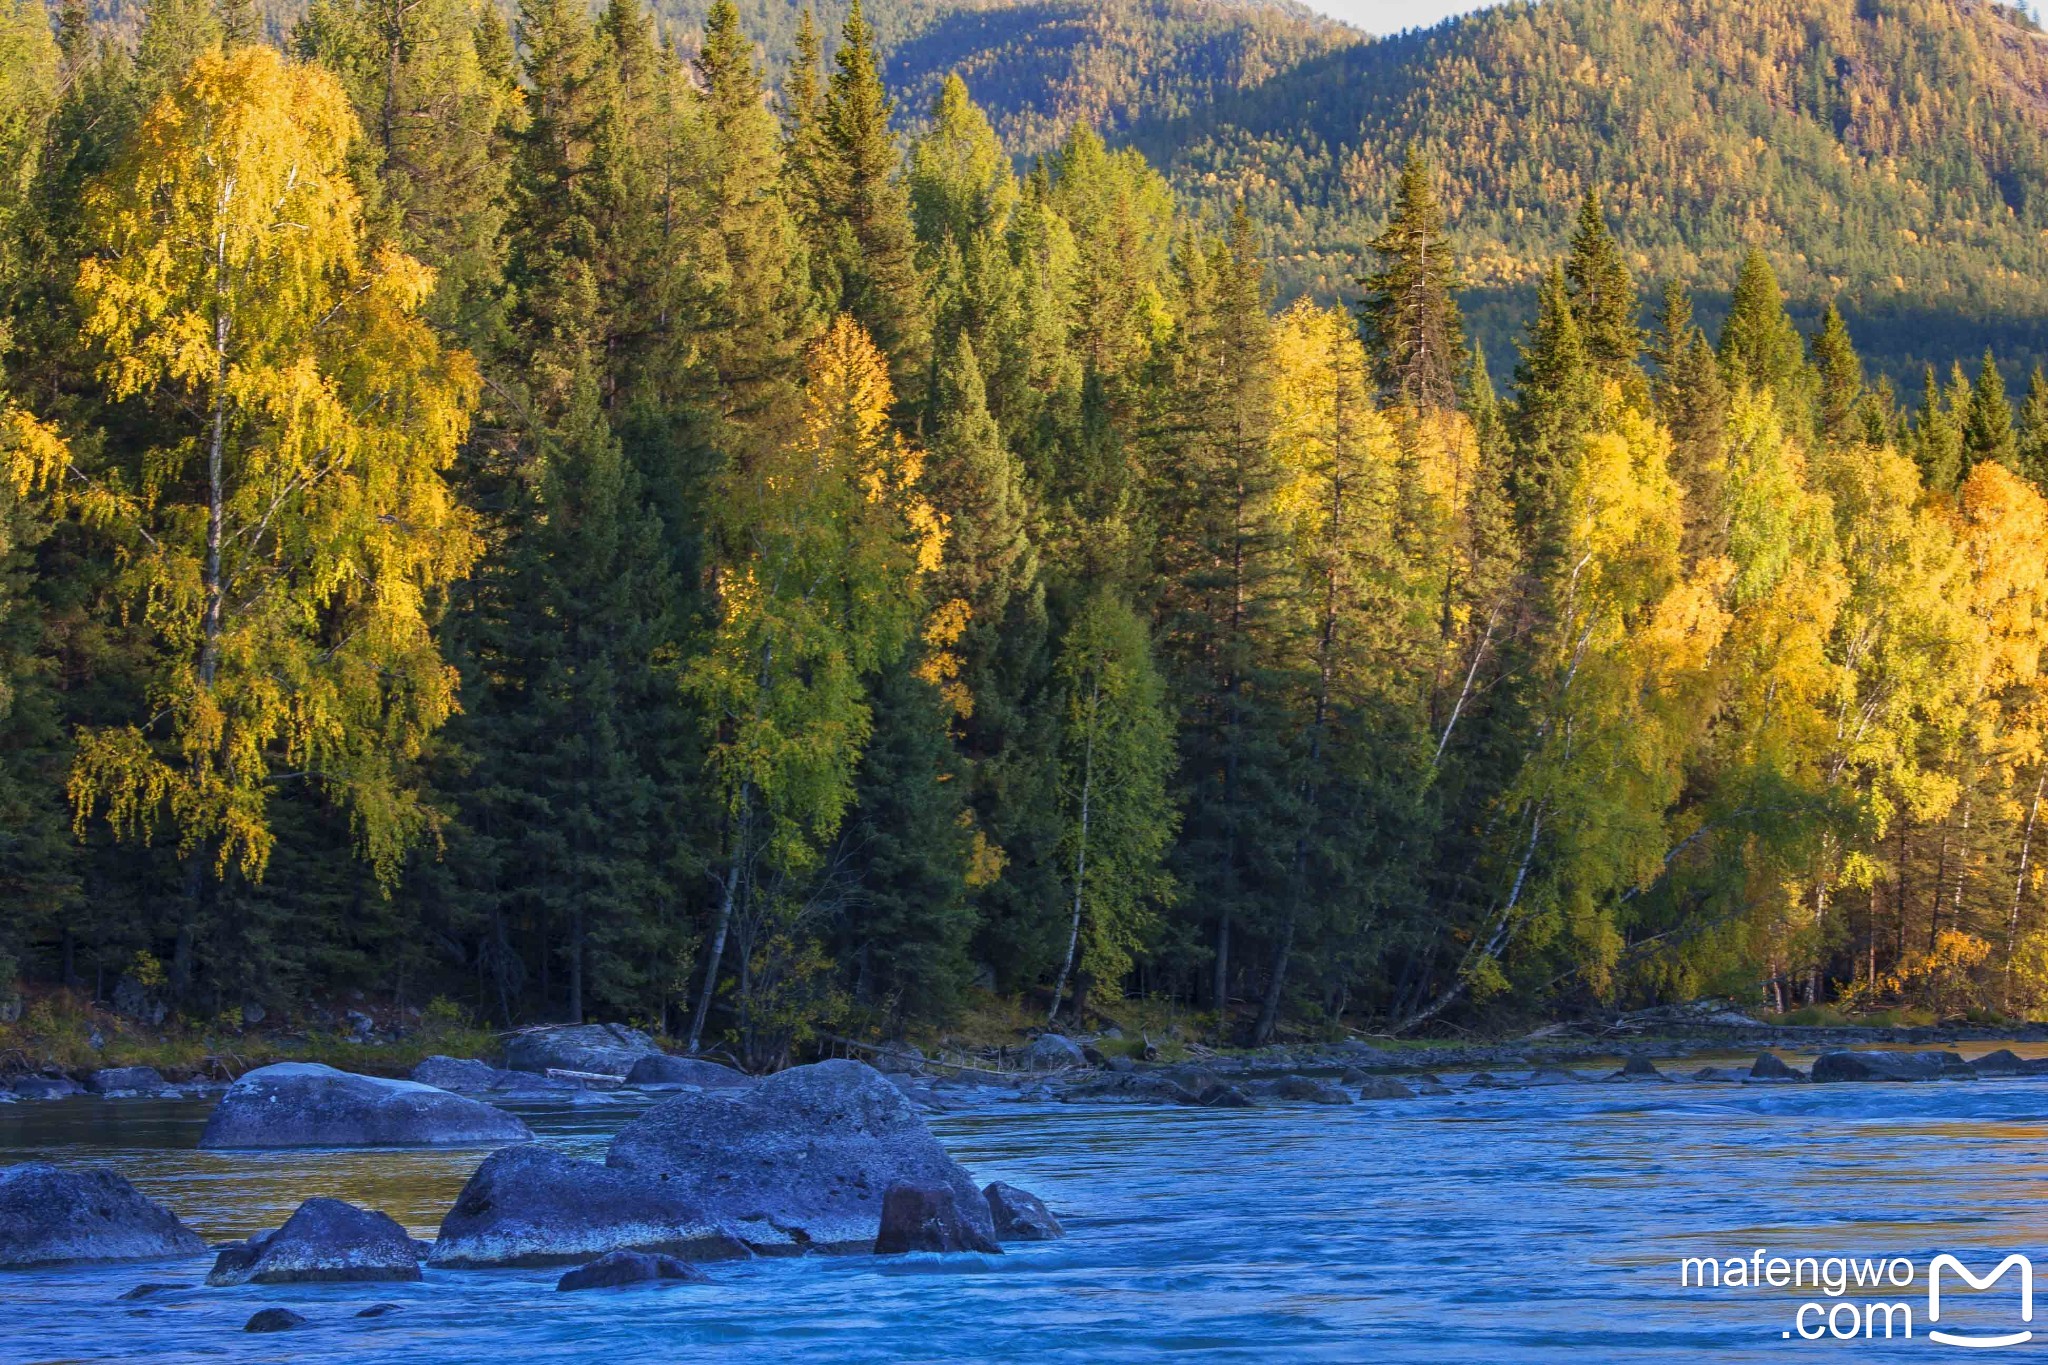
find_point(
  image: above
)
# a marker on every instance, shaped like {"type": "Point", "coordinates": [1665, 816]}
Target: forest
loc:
{"type": "Point", "coordinates": [531, 517]}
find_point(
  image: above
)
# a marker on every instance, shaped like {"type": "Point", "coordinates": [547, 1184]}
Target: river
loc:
{"type": "Point", "coordinates": [1542, 1224]}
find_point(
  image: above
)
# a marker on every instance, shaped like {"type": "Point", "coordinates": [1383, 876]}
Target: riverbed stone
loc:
{"type": "Point", "coordinates": [1302, 1089]}
{"type": "Point", "coordinates": [126, 1080]}
{"type": "Point", "coordinates": [457, 1073]}
{"type": "Point", "coordinates": [1220, 1096]}
{"type": "Point", "coordinates": [1769, 1066]}
{"type": "Point", "coordinates": [929, 1218]}
{"type": "Point", "coordinates": [326, 1240]}
{"type": "Point", "coordinates": [617, 1269]}
{"type": "Point", "coordinates": [599, 1049]}
{"type": "Point", "coordinates": [1052, 1052]}
{"type": "Point", "coordinates": [1383, 1088]}
{"type": "Point", "coordinates": [1891, 1066]}
{"type": "Point", "coordinates": [274, 1320]}
{"type": "Point", "coordinates": [661, 1069]}
{"type": "Point", "coordinates": [379, 1310]}
{"type": "Point", "coordinates": [535, 1206]}
{"type": "Point", "coordinates": [307, 1104]}
{"type": "Point", "coordinates": [148, 1290]}
{"type": "Point", "coordinates": [86, 1213]}
{"type": "Point", "coordinates": [1019, 1215]}
{"type": "Point", "coordinates": [799, 1161]}
{"type": "Point", "coordinates": [45, 1087]}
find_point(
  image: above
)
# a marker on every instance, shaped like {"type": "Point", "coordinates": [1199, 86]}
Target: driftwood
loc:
{"type": "Point", "coordinates": [557, 1073]}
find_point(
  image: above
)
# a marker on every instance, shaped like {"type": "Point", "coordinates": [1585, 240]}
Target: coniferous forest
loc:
{"type": "Point", "coordinates": [534, 515]}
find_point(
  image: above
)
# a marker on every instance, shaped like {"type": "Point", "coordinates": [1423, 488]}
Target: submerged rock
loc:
{"type": "Point", "coordinates": [144, 1291]}
{"type": "Point", "coordinates": [662, 1069]}
{"type": "Point", "coordinates": [1020, 1216]}
{"type": "Point", "coordinates": [1720, 1075]}
{"type": "Point", "coordinates": [928, 1218]}
{"type": "Point", "coordinates": [274, 1320]}
{"type": "Point", "coordinates": [601, 1049]}
{"type": "Point", "coordinates": [616, 1269]}
{"type": "Point", "coordinates": [379, 1310]}
{"type": "Point", "coordinates": [1891, 1066]}
{"type": "Point", "coordinates": [306, 1104]}
{"type": "Point", "coordinates": [1771, 1067]}
{"type": "Point", "coordinates": [56, 1213]}
{"type": "Point", "coordinates": [120, 1080]}
{"type": "Point", "coordinates": [45, 1087]}
{"type": "Point", "coordinates": [798, 1161]}
{"type": "Point", "coordinates": [1220, 1096]}
{"type": "Point", "coordinates": [325, 1240]}
{"type": "Point", "coordinates": [534, 1206]}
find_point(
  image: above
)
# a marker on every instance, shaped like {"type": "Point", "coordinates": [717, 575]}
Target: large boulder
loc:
{"type": "Point", "coordinates": [616, 1269]}
{"type": "Point", "coordinates": [1052, 1052]}
{"type": "Point", "coordinates": [306, 1104]}
{"type": "Point", "coordinates": [54, 1213]}
{"type": "Point", "coordinates": [529, 1206]}
{"type": "Point", "coordinates": [600, 1049]}
{"type": "Point", "coordinates": [1891, 1066]}
{"type": "Point", "coordinates": [126, 1080]}
{"type": "Point", "coordinates": [661, 1069]}
{"type": "Point", "coordinates": [326, 1240]}
{"type": "Point", "coordinates": [928, 1218]}
{"type": "Point", "coordinates": [798, 1161]}
{"type": "Point", "coordinates": [1769, 1066]}
{"type": "Point", "coordinates": [1020, 1216]}
{"type": "Point", "coordinates": [2006, 1062]}
{"type": "Point", "coordinates": [45, 1087]}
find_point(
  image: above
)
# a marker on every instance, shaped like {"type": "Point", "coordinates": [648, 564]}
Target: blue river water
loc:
{"type": "Point", "coordinates": [1543, 1224]}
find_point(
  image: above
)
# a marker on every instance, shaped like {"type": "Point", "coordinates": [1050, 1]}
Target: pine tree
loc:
{"type": "Point", "coordinates": [1759, 344]}
{"type": "Point", "coordinates": [1603, 296]}
{"type": "Point", "coordinates": [2032, 441]}
{"type": "Point", "coordinates": [1694, 404]}
{"type": "Point", "coordinates": [865, 246]}
{"type": "Point", "coordinates": [1556, 403]}
{"type": "Point", "coordinates": [1936, 434]}
{"type": "Point", "coordinates": [1988, 429]}
{"type": "Point", "coordinates": [1840, 373]}
{"type": "Point", "coordinates": [1410, 311]}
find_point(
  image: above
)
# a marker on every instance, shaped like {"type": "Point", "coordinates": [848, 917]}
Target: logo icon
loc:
{"type": "Point", "coordinates": [1934, 1269]}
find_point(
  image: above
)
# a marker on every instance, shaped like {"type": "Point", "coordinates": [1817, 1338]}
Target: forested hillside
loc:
{"type": "Point", "coordinates": [521, 516]}
{"type": "Point", "coordinates": [1889, 154]}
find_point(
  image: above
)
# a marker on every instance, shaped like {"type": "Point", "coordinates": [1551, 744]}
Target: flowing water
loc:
{"type": "Point", "coordinates": [1524, 1225]}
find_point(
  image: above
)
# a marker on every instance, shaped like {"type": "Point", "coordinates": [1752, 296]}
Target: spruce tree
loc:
{"type": "Point", "coordinates": [1759, 344]}
{"type": "Point", "coordinates": [1988, 428]}
{"type": "Point", "coordinates": [1840, 373]}
{"type": "Point", "coordinates": [1556, 402]}
{"type": "Point", "coordinates": [864, 242]}
{"type": "Point", "coordinates": [1602, 293]}
{"type": "Point", "coordinates": [1410, 310]}
{"type": "Point", "coordinates": [1694, 405]}
{"type": "Point", "coordinates": [2032, 441]}
{"type": "Point", "coordinates": [1935, 435]}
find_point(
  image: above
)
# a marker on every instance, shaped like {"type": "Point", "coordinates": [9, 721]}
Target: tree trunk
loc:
{"type": "Point", "coordinates": [728, 889]}
{"type": "Point", "coordinates": [1059, 986]}
{"type": "Point", "coordinates": [2019, 886]}
{"type": "Point", "coordinates": [1269, 1008]}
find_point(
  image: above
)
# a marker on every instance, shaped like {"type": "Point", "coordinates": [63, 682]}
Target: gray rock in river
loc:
{"type": "Point", "coordinates": [928, 1218]}
{"type": "Point", "coordinates": [1771, 1067]}
{"type": "Point", "coordinates": [602, 1049]}
{"type": "Point", "coordinates": [1222, 1096]}
{"type": "Point", "coordinates": [1383, 1088]}
{"type": "Point", "coordinates": [1304, 1089]}
{"type": "Point", "coordinates": [274, 1320]}
{"type": "Point", "coordinates": [617, 1269]}
{"type": "Point", "coordinates": [2006, 1062]}
{"type": "Point", "coordinates": [325, 1240]}
{"type": "Point", "coordinates": [798, 1161]}
{"type": "Point", "coordinates": [1051, 1052]}
{"type": "Point", "coordinates": [126, 1080]}
{"type": "Point", "coordinates": [1891, 1066]}
{"type": "Point", "coordinates": [57, 1213]}
{"type": "Point", "coordinates": [1638, 1069]}
{"type": "Point", "coordinates": [1020, 1216]}
{"type": "Point", "coordinates": [531, 1206]}
{"type": "Point", "coordinates": [45, 1087]}
{"type": "Point", "coordinates": [660, 1069]}
{"type": "Point", "coordinates": [456, 1073]}
{"type": "Point", "coordinates": [306, 1104]}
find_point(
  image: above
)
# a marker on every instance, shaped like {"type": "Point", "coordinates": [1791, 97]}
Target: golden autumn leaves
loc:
{"type": "Point", "coordinates": [285, 535]}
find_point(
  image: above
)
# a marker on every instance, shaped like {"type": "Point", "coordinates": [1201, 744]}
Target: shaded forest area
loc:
{"type": "Point", "coordinates": [531, 518]}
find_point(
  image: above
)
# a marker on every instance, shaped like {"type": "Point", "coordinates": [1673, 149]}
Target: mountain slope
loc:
{"type": "Point", "coordinates": [1893, 153]}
